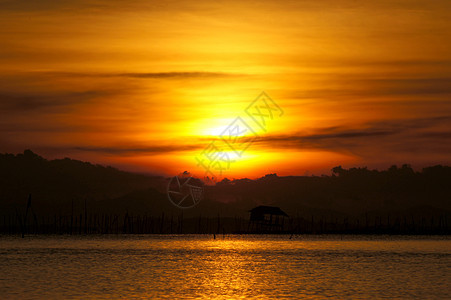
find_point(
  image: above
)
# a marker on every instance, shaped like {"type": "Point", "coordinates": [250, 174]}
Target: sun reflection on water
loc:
{"type": "Point", "coordinates": [228, 267]}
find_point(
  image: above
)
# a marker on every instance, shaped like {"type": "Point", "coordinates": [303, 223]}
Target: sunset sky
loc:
{"type": "Point", "coordinates": [147, 85]}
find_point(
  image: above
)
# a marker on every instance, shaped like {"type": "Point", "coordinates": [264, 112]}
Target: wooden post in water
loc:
{"type": "Point", "coordinates": [20, 224]}
{"type": "Point", "coordinates": [72, 218]}
{"type": "Point", "coordinates": [217, 231]}
{"type": "Point", "coordinates": [162, 222]}
{"type": "Point", "coordinates": [171, 223]}
{"type": "Point", "coordinates": [86, 218]}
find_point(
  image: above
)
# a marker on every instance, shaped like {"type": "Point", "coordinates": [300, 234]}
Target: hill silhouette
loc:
{"type": "Point", "coordinates": [55, 184]}
{"type": "Point", "coordinates": [67, 189]}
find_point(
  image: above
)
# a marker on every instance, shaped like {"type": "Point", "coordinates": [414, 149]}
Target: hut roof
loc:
{"type": "Point", "coordinates": [271, 210]}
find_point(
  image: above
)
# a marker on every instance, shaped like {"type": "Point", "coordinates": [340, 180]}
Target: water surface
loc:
{"type": "Point", "coordinates": [234, 266]}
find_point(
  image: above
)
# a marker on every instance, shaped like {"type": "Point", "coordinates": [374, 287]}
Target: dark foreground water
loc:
{"type": "Point", "coordinates": [197, 266]}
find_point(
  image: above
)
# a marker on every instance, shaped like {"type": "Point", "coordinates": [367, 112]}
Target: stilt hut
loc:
{"type": "Point", "coordinates": [266, 219]}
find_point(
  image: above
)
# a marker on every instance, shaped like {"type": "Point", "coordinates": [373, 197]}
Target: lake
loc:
{"type": "Point", "coordinates": [231, 267]}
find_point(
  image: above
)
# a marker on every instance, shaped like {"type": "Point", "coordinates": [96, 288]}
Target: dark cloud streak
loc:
{"type": "Point", "coordinates": [28, 102]}
{"type": "Point", "coordinates": [139, 149]}
{"type": "Point", "coordinates": [418, 135]}
{"type": "Point", "coordinates": [144, 75]}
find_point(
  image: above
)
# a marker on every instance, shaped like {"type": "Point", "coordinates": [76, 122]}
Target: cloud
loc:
{"type": "Point", "coordinates": [345, 138]}
{"type": "Point", "coordinates": [429, 134]}
{"type": "Point", "coordinates": [176, 75]}
{"type": "Point", "coordinates": [143, 75]}
{"type": "Point", "coordinates": [40, 91]}
{"type": "Point", "coordinates": [357, 88]}
{"type": "Point", "coordinates": [407, 86]}
{"type": "Point", "coordinates": [23, 102]}
{"type": "Point", "coordinates": [34, 6]}
{"type": "Point", "coordinates": [124, 150]}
